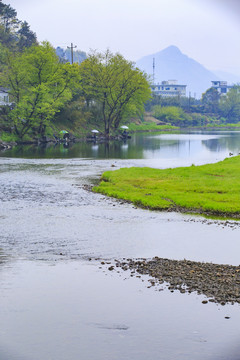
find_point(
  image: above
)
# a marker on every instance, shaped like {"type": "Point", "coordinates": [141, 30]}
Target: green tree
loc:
{"type": "Point", "coordinates": [230, 105]}
{"type": "Point", "coordinates": [40, 86]}
{"type": "Point", "coordinates": [210, 100]}
{"type": "Point", "coordinates": [14, 34]}
{"type": "Point", "coordinates": [8, 17]}
{"type": "Point", "coordinates": [172, 114]}
{"type": "Point", "coordinates": [27, 38]}
{"type": "Point", "coordinates": [114, 86]}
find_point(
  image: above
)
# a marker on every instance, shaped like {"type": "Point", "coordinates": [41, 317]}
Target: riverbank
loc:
{"type": "Point", "coordinates": [219, 283]}
{"type": "Point", "coordinates": [212, 189]}
{"type": "Point", "coordinates": [133, 128]}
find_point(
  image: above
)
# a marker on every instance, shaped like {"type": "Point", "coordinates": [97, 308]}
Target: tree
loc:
{"type": "Point", "coordinates": [8, 17]}
{"type": "Point", "coordinates": [115, 86]}
{"type": "Point", "coordinates": [14, 34]}
{"type": "Point", "coordinates": [210, 100]}
{"type": "Point", "coordinates": [230, 105]}
{"type": "Point", "coordinates": [171, 114]}
{"type": "Point", "coordinates": [40, 86]}
{"type": "Point", "coordinates": [27, 38]}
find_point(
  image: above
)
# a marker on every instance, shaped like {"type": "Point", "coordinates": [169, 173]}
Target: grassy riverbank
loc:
{"type": "Point", "coordinates": [212, 189]}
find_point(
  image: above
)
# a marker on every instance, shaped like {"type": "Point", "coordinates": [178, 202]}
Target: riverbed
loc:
{"type": "Point", "coordinates": [59, 302]}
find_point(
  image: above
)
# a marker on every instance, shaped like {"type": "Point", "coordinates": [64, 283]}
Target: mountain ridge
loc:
{"type": "Point", "coordinates": [171, 63]}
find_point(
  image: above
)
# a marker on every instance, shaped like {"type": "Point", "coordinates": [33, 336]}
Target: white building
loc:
{"type": "Point", "coordinates": [4, 97]}
{"type": "Point", "coordinates": [169, 88]}
{"type": "Point", "coordinates": [221, 86]}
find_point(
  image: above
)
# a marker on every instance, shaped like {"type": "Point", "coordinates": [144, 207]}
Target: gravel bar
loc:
{"type": "Point", "coordinates": [219, 283]}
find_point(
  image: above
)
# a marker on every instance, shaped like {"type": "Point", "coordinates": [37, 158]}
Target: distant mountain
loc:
{"type": "Point", "coordinates": [172, 64]}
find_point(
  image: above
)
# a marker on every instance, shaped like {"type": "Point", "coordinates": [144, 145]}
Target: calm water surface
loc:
{"type": "Point", "coordinates": [56, 304]}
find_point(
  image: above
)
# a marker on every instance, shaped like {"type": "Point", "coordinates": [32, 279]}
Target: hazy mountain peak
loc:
{"type": "Point", "coordinates": [171, 63]}
{"type": "Point", "coordinates": [171, 50]}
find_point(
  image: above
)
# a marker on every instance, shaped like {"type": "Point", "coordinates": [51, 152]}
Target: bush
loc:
{"type": "Point", "coordinates": [7, 137]}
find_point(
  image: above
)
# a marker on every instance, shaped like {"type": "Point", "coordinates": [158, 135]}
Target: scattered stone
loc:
{"type": "Point", "coordinates": [111, 268]}
{"type": "Point", "coordinates": [219, 283]}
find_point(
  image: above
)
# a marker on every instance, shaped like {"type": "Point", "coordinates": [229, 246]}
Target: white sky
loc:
{"type": "Point", "coordinates": [206, 30]}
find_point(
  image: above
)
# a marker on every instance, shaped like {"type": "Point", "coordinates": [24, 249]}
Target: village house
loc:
{"type": "Point", "coordinates": [169, 88]}
{"type": "Point", "coordinates": [4, 97]}
{"type": "Point", "coordinates": [221, 86]}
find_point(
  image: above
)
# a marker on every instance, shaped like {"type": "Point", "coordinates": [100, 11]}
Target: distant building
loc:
{"type": "Point", "coordinates": [4, 97]}
{"type": "Point", "coordinates": [221, 86]}
{"type": "Point", "coordinates": [169, 88]}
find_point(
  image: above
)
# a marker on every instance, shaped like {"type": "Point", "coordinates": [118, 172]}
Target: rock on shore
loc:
{"type": "Point", "coordinates": [219, 283]}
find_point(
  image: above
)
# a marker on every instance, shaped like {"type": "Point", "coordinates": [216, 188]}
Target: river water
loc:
{"type": "Point", "coordinates": [58, 301]}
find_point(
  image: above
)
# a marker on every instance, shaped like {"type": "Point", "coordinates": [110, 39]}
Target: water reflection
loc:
{"type": "Point", "coordinates": [48, 218]}
{"type": "Point", "coordinates": [3, 257]}
{"type": "Point", "coordinates": [141, 146]}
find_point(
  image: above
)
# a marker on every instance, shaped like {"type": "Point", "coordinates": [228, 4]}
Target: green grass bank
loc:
{"type": "Point", "coordinates": [212, 189]}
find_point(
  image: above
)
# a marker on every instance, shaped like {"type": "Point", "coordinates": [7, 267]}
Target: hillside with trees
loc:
{"type": "Point", "coordinates": [101, 90]}
{"type": "Point", "coordinates": [212, 110]}
{"type": "Point", "coordinates": [48, 92]}
{"type": "Point", "coordinates": [15, 35]}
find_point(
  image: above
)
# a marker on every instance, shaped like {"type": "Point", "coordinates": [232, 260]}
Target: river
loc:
{"type": "Point", "coordinates": [59, 302]}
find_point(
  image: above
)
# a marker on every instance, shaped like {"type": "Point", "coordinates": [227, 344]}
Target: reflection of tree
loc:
{"type": "Point", "coordinates": [3, 257]}
{"type": "Point", "coordinates": [155, 143]}
{"type": "Point", "coordinates": [228, 143]}
{"type": "Point", "coordinates": [136, 148]}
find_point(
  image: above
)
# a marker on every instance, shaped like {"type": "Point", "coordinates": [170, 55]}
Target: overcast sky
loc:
{"type": "Point", "coordinates": [206, 30]}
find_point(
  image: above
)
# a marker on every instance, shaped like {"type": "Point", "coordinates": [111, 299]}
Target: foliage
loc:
{"type": "Point", "coordinates": [39, 87]}
{"type": "Point", "coordinates": [75, 116]}
{"type": "Point", "coordinates": [211, 189]}
{"type": "Point", "coordinates": [230, 105]}
{"type": "Point", "coordinates": [26, 37]}
{"type": "Point", "coordinates": [186, 103]}
{"type": "Point", "coordinates": [114, 86]}
{"type": "Point", "coordinates": [178, 117]}
{"type": "Point", "coordinates": [14, 34]}
{"type": "Point", "coordinates": [171, 114]}
{"type": "Point", "coordinates": [210, 100]}
{"type": "Point", "coordinates": [147, 126]}
{"type": "Point", "coordinates": [6, 137]}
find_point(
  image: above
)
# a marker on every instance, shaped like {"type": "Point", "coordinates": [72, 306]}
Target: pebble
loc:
{"type": "Point", "coordinates": [219, 283]}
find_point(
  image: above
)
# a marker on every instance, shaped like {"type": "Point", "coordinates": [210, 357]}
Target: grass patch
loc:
{"type": "Point", "coordinates": [212, 189]}
{"type": "Point", "coordinates": [149, 126]}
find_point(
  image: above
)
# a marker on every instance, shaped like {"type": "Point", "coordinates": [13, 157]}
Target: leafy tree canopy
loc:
{"type": "Point", "coordinates": [115, 86]}
{"type": "Point", "coordinates": [230, 105]}
{"type": "Point", "coordinates": [40, 86]}
{"type": "Point", "coordinates": [14, 34]}
{"type": "Point", "coordinates": [210, 100]}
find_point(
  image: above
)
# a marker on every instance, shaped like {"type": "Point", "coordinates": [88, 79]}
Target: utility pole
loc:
{"type": "Point", "coordinates": [189, 100]}
{"type": "Point", "coordinates": [72, 47]}
{"type": "Point", "coordinates": [153, 70]}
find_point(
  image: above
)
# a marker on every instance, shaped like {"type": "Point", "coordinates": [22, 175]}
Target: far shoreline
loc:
{"type": "Point", "coordinates": [4, 145]}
